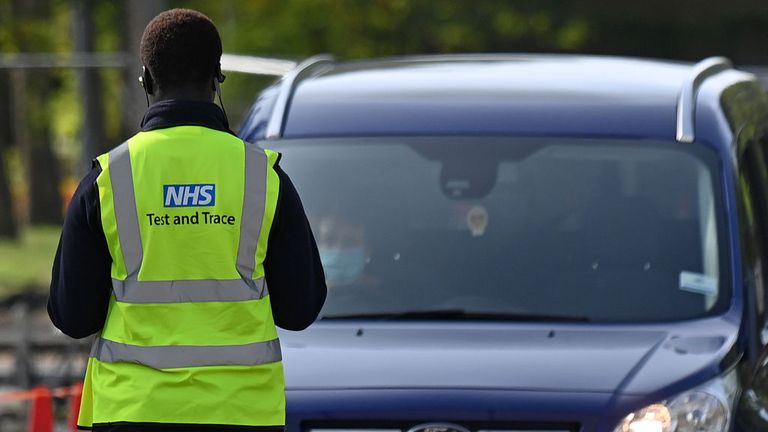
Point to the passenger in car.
(346, 255)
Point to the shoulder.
(271, 157)
(84, 205)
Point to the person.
(355, 269)
(183, 248)
(344, 251)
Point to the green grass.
(26, 263)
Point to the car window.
(607, 230)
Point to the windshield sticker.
(477, 220)
(698, 283)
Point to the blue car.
(528, 243)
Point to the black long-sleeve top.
(81, 282)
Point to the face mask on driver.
(342, 266)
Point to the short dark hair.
(181, 47)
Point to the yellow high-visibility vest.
(189, 336)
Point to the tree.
(138, 13)
(31, 96)
(8, 227)
(89, 86)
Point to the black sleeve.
(293, 270)
(81, 280)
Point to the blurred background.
(69, 91)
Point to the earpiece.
(220, 77)
(145, 80)
(217, 80)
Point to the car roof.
(570, 95)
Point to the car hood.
(627, 359)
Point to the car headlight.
(706, 408)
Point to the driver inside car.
(346, 255)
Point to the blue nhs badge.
(189, 195)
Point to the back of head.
(181, 48)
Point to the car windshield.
(590, 229)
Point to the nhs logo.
(189, 195)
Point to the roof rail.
(686, 103)
(288, 86)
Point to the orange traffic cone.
(75, 395)
(41, 410)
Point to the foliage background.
(42, 121)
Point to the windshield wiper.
(456, 315)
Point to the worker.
(183, 248)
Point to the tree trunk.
(89, 84)
(8, 227)
(45, 204)
(33, 117)
(138, 14)
(42, 175)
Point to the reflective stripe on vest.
(168, 357)
(181, 291)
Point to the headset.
(145, 81)
(217, 80)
